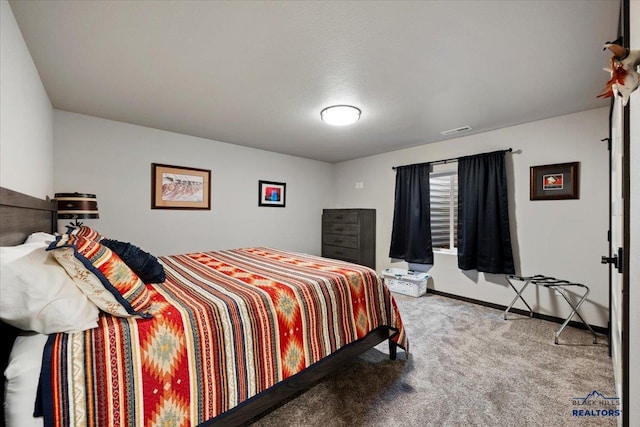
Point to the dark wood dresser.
(350, 235)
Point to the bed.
(226, 336)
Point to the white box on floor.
(406, 282)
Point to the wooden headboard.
(20, 215)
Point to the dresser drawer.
(343, 217)
(341, 228)
(346, 254)
(340, 240)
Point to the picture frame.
(272, 194)
(554, 182)
(179, 187)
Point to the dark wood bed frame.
(21, 215)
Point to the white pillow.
(40, 237)
(37, 294)
(10, 253)
(21, 386)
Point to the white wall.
(26, 116)
(563, 238)
(113, 160)
(634, 250)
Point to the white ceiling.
(257, 73)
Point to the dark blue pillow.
(145, 265)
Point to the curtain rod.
(453, 159)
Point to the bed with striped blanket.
(227, 327)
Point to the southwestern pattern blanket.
(226, 326)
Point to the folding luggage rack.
(560, 286)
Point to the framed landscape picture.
(178, 187)
(554, 182)
(272, 194)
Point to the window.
(444, 210)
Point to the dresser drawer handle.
(338, 240)
(339, 229)
(339, 216)
(339, 253)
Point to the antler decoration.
(624, 74)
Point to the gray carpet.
(467, 367)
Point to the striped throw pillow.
(102, 276)
(84, 231)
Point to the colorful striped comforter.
(226, 326)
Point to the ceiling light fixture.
(340, 115)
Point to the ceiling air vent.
(456, 130)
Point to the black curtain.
(411, 235)
(484, 240)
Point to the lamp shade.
(77, 206)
